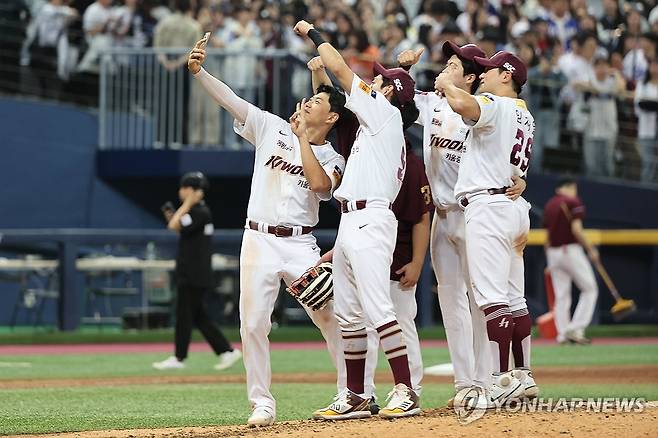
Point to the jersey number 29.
(521, 151)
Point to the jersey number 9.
(521, 153)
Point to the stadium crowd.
(581, 55)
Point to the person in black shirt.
(193, 221)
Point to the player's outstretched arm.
(319, 75)
(331, 59)
(218, 90)
(459, 100)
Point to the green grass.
(30, 335)
(46, 410)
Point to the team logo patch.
(365, 87)
(509, 67)
(338, 174)
(436, 122)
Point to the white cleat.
(170, 363)
(228, 359)
(530, 388)
(505, 387)
(402, 402)
(473, 398)
(261, 417)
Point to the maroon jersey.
(414, 198)
(559, 212)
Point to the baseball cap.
(509, 62)
(196, 180)
(403, 84)
(468, 51)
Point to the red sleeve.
(414, 199)
(577, 208)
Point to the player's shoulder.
(327, 153)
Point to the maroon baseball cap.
(509, 62)
(403, 83)
(468, 52)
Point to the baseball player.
(496, 227)
(444, 135)
(567, 262)
(411, 211)
(295, 168)
(366, 236)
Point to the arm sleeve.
(194, 221)
(488, 110)
(577, 209)
(422, 101)
(223, 95)
(334, 168)
(413, 199)
(371, 108)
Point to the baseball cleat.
(473, 397)
(402, 402)
(346, 405)
(260, 417)
(577, 338)
(530, 388)
(373, 406)
(170, 363)
(505, 387)
(228, 359)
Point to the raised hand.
(298, 121)
(315, 64)
(410, 57)
(302, 27)
(198, 54)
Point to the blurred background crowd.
(593, 82)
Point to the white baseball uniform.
(444, 135)
(280, 195)
(500, 146)
(366, 237)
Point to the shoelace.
(395, 395)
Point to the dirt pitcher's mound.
(432, 423)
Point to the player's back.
(499, 147)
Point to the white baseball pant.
(496, 235)
(264, 261)
(569, 263)
(464, 323)
(404, 303)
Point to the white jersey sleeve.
(334, 167)
(257, 125)
(422, 100)
(488, 112)
(372, 109)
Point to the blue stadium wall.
(52, 176)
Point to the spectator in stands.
(49, 47)
(601, 93)
(646, 109)
(577, 67)
(545, 81)
(610, 24)
(561, 24)
(640, 50)
(239, 71)
(127, 25)
(97, 23)
(360, 55)
(394, 41)
(177, 30)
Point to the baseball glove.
(314, 288)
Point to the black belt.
(279, 230)
(359, 205)
(500, 191)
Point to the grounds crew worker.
(193, 221)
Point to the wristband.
(316, 37)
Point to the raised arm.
(330, 56)
(318, 74)
(459, 100)
(218, 90)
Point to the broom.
(623, 308)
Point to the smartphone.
(206, 38)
